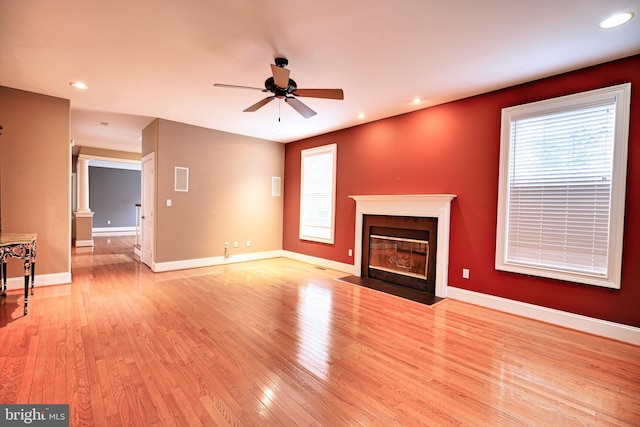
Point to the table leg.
(27, 275)
(33, 275)
(33, 264)
(3, 276)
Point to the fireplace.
(400, 250)
(417, 214)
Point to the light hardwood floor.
(280, 342)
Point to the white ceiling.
(159, 58)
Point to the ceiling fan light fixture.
(616, 20)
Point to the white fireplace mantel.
(418, 205)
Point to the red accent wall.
(454, 148)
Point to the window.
(562, 181)
(317, 193)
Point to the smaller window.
(317, 193)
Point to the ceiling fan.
(282, 87)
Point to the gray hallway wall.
(113, 194)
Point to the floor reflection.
(314, 326)
(267, 398)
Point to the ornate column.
(83, 216)
(83, 185)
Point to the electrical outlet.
(235, 244)
(350, 252)
(168, 202)
(465, 273)
(108, 222)
(248, 243)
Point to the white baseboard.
(326, 263)
(114, 231)
(255, 256)
(208, 262)
(14, 283)
(84, 243)
(616, 331)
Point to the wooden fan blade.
(297, 105)
(280, 76)
(259, 104)
(320, 93)
(239, 87)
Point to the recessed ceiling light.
(616, 20)
(416, 100)
(361, 116)
(79, 85)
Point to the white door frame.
(147, 225)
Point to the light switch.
(168, 202)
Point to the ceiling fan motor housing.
(279, 92)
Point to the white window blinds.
(562, 183)
(559, 189)
(317, 193)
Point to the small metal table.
(22, 246)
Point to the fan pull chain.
(279, 109)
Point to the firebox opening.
(400, 250)
(399, 255)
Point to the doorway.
(147, 219)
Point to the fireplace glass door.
(399, 255)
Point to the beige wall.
(83, 232)
(35, 171)
(229, 197)
(150, 138)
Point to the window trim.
(622, 95)
(309, 152)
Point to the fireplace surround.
(436, 206)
